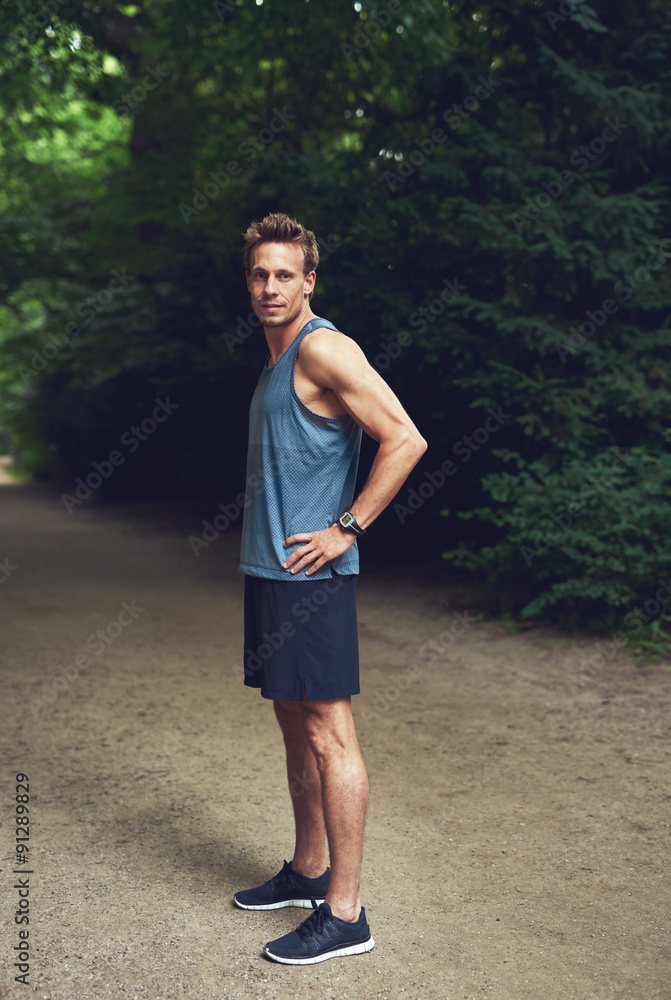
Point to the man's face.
(277, 284)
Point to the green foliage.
(652, 644)
(593, 535)
(136, 141)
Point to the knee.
(326, 742)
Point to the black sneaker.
(287, 888)
(321, 936)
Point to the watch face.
(346, 519)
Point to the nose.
(270, 288)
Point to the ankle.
(348, 912)
(307, 869)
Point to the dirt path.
(517, 838)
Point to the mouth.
(271, 306)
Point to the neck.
(279, 338)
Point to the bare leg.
(305, 789)
(330, 732)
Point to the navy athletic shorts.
(301, 639)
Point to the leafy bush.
(583, 544)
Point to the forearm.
(395, 459)
(392, 465)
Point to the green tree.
(489, 181)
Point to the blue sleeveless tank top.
(301, 472)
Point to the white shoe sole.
(352, 949)
(304, 904)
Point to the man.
(299, 553)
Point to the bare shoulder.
(336, 362)
(324, 347)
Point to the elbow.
(416, 445)
(408, 444)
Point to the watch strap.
(350, 524)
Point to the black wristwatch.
(348, 522)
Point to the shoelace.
(285, 877)
(314, 925)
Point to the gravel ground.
(517, 834)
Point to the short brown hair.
(280, 228)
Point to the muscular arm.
(336, 362)
(339, 363)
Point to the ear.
(309, 283)
(247, 275)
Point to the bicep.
(361, 390)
